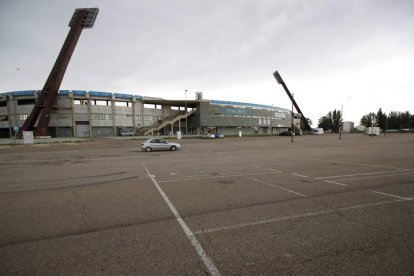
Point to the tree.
(395, 120)
(336, 120)
(405, 119)
(325, 123)
(381, 119)
(369, 119)
(331, 121)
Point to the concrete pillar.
(133, 115)
(9, 117)
(113, 114)
(88, 97)
(72, 106)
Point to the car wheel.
(173, 148)
(148, 149)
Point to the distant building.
(79, 113)
(361, 128)
(348, 127)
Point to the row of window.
(253, 117)
(32, 101)
(137, 117)
(95, 116)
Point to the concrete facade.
(97, 114)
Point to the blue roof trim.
(21, 93)
(64, 92)
(100, 94)
(127, 96)
(78, 92)
(247, 105)
(123, 96)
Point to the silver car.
(159, 144)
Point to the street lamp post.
(292, 125)
(341, 123)
(185, 101)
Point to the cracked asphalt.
(254, 205)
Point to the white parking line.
(216, 176)
(212, 269)
(349, 163)
(311, 214)
(300, 175)
(376, 176)
(277, 186)
(358, 174)
(336, 183)
(402, 198)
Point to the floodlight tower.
(81, 19)
(280, 81)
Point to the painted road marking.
(215, 176)
(359, 174)
(311, 214)
(376, 176)
(300, 175)
(277, 186)
(402, 198)
(349, 163)
(336, 183)
(212, 269)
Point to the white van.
(318, 131)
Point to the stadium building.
(79, 113)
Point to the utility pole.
(340, 122)
(186, 125)
(291, 126)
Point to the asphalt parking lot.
(233, 206)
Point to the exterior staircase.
(168, 121)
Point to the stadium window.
(121, 104)
(102, 117)
(3, 103)
(26, 101)
(149, 106)
(148, 118)
(80, 102)
(97, 102)
(23, 117)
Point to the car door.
(155, 144)
(163, 144)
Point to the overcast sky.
(359, 54)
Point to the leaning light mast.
(280, 81)
(81, 19)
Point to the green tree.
(336, 120)
(405, 119)
(325, 123)
(369, 119)
(394, 120)
(331, 121)
(381, 119)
